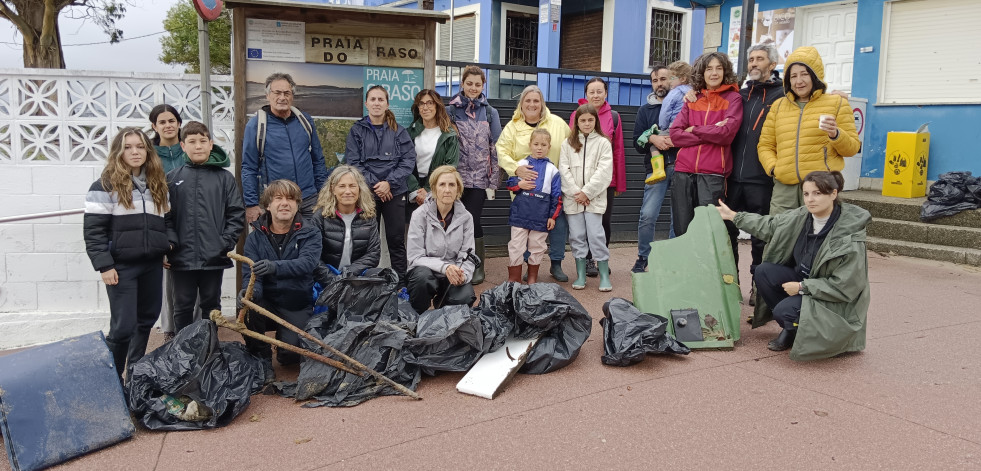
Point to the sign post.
(208, 10)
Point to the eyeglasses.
(283, 93)
(427, 104)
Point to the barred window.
(665, 36)
(521, 43)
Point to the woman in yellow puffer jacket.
(794, 141)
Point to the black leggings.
(393, 211)
(473, 199)
(769, 278)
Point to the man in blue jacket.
(283, 145)
(650, 208)
(286, 251)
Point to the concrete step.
(906, 209)
(926, 233)
(928, 251)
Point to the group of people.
(767, 154)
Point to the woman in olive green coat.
(435, 138)
(816, 270)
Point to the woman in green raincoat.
(814, 277)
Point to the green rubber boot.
(478, 273)
(604, 275)
(580, 282)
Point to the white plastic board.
(493, 370)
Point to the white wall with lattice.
(55, 130)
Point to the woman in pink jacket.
(703, 132)
(609, 121)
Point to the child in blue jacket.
(535, 206)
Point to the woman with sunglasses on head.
(435, 138)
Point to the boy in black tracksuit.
(749, 187)
(286, 251)
(205, 221)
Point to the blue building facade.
(954, 136)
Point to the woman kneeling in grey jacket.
(439, 240)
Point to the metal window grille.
(665, 37)
(521, 43)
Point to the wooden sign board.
(362, 50)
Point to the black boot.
(118, 350)
(783, 341)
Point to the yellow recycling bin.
(907, 154)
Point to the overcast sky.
(131, 55)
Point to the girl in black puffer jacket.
(126, 239)
(345, 216)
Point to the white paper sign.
(274, 40)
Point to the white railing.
(64, 117)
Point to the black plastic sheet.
(952, 193)
(220, 375)
(368, 298)
(377, 345)
(547, 311)
(629, 335)
(447, 339)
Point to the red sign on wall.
(208, 9)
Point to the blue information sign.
(402, 86)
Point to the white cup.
(824, 122)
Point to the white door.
(831, 30)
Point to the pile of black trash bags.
(368, 321)
(952, 193)
(196, 382)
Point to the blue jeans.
(557, 238)
(650, 209)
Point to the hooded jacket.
(707, 148)
(588, 171)
(791, 144)
(114, 233)
(757, 99)
(834, 308)
(365, 241)
(428, 245)
(291, 287)
(171, 156)
(206, 215)
(479, 126)
(289, 153)
(447, 153)
(614, 130)
(531, 209)
(514, 142)
(381, 154)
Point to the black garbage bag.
(629, 335)
(194, 381)
(377, 345)
(370, 297)
(952, 193)
(450, 338)
(496, 310)
(547, 311)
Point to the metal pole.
(204, 59)
(745, 37)
(452, 16)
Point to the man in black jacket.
(650, 208)
(749, 187)
(206, 218)
(286, 251)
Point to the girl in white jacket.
(586, 167)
